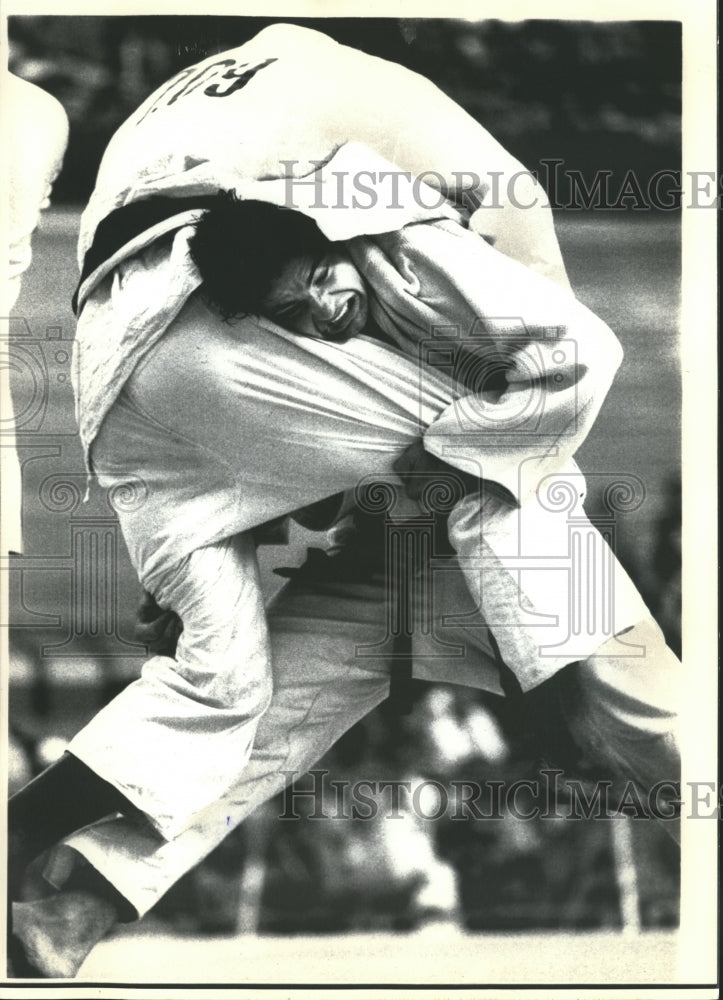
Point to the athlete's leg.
(196, 716)
(544, 578)
(622, 711)
(320, 689)
(192, 718)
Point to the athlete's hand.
(417, 468)
(158, 629)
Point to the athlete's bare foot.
(52, 937)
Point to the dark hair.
(240, 247)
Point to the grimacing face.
(323, 297)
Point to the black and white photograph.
(357, 577)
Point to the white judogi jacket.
(258, 120)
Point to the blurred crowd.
(325, 875)
(286, 870)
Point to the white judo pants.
(620, 711)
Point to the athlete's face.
(322, 297)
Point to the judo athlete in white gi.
(34, 137)
(205, 430)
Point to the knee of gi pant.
(239, 687)
(632, 682)
(223, 657)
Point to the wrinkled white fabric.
(541, 573)
(221, 427)
(438, 287)
(34, 137)
(35, 134)
(282, 103)
(303, 99)
(172, 741)
(129, 302)
(259, 427)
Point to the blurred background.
(599, 96)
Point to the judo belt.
(359, 561)
(129, 222)
(323, 570)
(406, 583)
